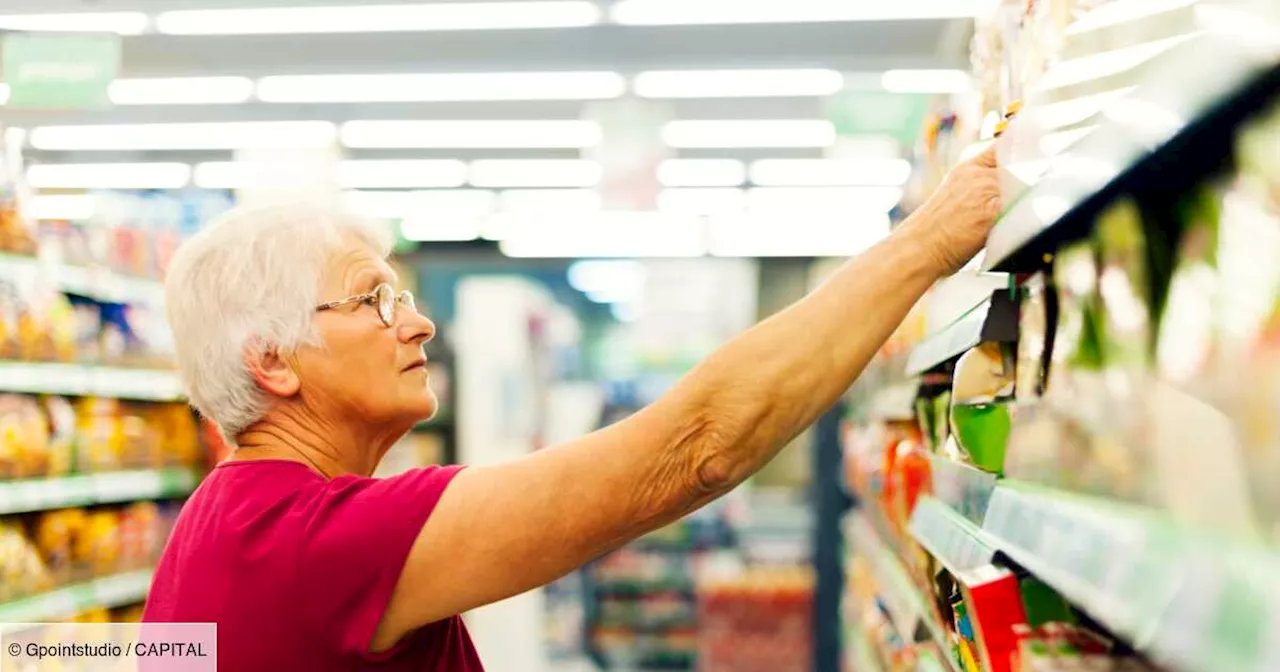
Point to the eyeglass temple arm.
(349, 300)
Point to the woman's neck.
(329, 448)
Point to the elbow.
(714, 452)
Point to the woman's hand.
(954, 223)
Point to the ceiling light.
(535, 173)
(686, 12)
(442, 87)
(63, 207)
(120, 23)
(744, 133)
(401, 174)
(262, 175)
(181, 91)
(471, 134)
(702, 201)
(109, 176)
(451, 203)
(737, 83)
(436, 16)
(830, 172)
(854, 201)
(926, 81)
(783, 236)
(607, 235)
(209, 136)
(429, 227)
(549, 200)
(702, 173)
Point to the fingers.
(987, 159)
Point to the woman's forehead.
(357, 263)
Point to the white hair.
(251, 279)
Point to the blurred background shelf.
(94, 283)
(107, 592)
(88, 380)
(25, 496)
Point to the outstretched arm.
(501, 530)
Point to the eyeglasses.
(383, 297)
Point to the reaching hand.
(954, 223)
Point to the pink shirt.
(297, 570)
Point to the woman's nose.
(415, 327)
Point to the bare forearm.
(764, 387)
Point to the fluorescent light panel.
(535, 173)
(262, 175)
(749, 133)
(554, 134)
(608, 235)
(448, 203)
(737, 83)
(442, 87)
(830, 172)
(181, 91)
(401, 174)
(550, 200)
(427, 227)
(780, 236)
(109, 176)
(206, 136)
(70, 207)
(702, 173)
(437, 16)
(853, 201)
(689, 12)
(121, 23)
(926, 81)
(702, 201)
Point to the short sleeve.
(356, 539)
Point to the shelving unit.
(1194, 600)
(94, 283)
(26, 496)
(87, 380)
(107, 592)
(1188, 589)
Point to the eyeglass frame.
(404, 298)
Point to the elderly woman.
(292, 337)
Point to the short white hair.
(251, 278)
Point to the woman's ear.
(271, 370)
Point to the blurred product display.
(1077, 472)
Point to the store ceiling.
(852, 47)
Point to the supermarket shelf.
(995, 319)
(1162, 139)
(1191, 601)
(109, 592)
(909, 609)
(964, 489)
(83, 380)
(950, 537)
(95, 283)
(126, 486)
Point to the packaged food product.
(21, 571)
(101, 433)
(17, 233)
(980, 394)
(1033, 339)
(98, 548)
(139, 535)
(56, 533)
(24, 438)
